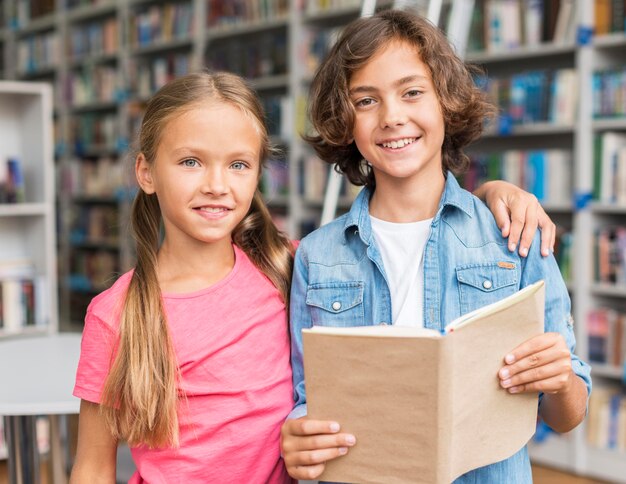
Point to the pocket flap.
(488, 277)
(335, 297)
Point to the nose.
(215, 181)
(392, 114)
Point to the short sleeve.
(96, 351)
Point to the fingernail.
(343, 450)
(512, 247)
(504, 373)
(350, 439)
(509, 359)
(334, 427)
(545, 252)
(523, 251)
(506, 383)
(514, 390)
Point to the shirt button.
(487, 284)
(336, 305)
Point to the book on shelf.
(609, 255)
(610, 167)
(406, 393)
(606, 336)
(22, 296)
(544, 173)
(606, 420)
(12, 187)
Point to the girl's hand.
(541, 364)
(518, 214)
(307, 445)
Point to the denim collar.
(358, 218)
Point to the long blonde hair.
(140, 395)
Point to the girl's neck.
(406, 202)
(183, 271)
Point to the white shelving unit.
(28, 228)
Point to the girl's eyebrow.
(398, 83)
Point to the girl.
(394, 107)
(187, 356)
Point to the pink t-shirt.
(232, 345)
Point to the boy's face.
(399, 127)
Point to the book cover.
(424, 406)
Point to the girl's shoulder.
(107, 305)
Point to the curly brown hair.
(464, 106)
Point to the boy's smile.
(399, 127)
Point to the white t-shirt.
(402, 249)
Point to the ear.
(143, 173)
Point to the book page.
(489, 423)
(386, 330)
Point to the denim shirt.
(339, 280)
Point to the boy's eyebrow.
(398, 83)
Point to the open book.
(424, 406)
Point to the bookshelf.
(104, 58)
(28, 264)
(596, 60)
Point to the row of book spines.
(95, 84)
(318, 6)
(96, 224)
(255, 57)
(228, 12)
(609, 16)
(12, 185)
(93, 270)
(95, 130)
(501, 25)
(609, 164)
(22, 303)
(314, 179)
(535, 96)
(606, 421)
(609, 93)
(544, 173)
(609, 244)
(95, 38)
(149, 75)
(162, 23)
(38, 52)
(25, 11)
(606, 333)
(92, 178)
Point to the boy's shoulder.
(476, 224)
(326, 233)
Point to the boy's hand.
(518, 214)
(541, 364)
(307, 445)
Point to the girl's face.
(399, 127)
(205, 173)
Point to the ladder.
(458, 28)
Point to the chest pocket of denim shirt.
(482, 284)
(336, 303)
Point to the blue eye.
(189, 162)
(238, 165)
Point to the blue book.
(16, 192)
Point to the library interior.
(75, 78)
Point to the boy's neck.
(405, 203)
